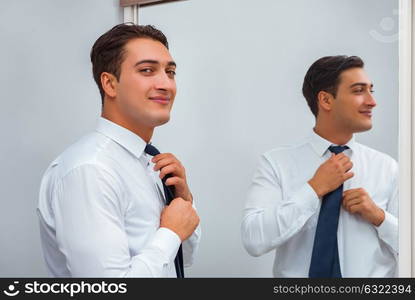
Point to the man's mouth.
(160, 99)
(367, 113)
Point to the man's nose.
(370, 100)
(164, 82)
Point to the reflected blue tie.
(169, 194)
(325, 257)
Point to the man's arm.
(269, 220)
(358, 201)
(388, 230)
(89, 215)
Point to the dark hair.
(324, 75)
(107, 53)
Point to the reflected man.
(327, 205)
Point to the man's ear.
(109, 83)
(325, 101)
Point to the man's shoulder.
(376, 156)
(91, 150)
(85, 161)
(285, 151)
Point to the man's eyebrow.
(152, 61)
(361, 84)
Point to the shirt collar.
(321, 145)
(122, 136)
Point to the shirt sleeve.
(191, 245)
(388, 230)
(90, 230)
(269, 218)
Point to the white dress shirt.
(99, 210)
(282, 210)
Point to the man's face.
(146, 87)
(352, 107)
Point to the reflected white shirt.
(282, 210)
(99, 210)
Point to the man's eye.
(358, 91)
(171, 72)
(146, 70)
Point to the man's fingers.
(332, 157)
(340, 156)
(174, 181)
(160, 156)
(174, 169)
(351, 195)
(164, 162)
(353, 191)
(348, 175)
(350, 191)
(356, 208)
(343, 161)
(351, 200)
(170, 169)
(348, 166)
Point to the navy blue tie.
(325, 257)
(169, 194)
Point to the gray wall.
(48, 100)
(240, 70)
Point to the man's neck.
(333, 135)
(145, 133)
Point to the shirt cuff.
(309, 198)
(388, 230)
(167, 241)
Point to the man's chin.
(363, 127)
(160, 120)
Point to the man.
(102, 209)
(327, 205)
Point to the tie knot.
(338, 149)
(151, 150)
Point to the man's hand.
(167, 163)
(331, 174)
(358, 201)
(180, 217)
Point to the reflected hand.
(358, 201)
(331, 174)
